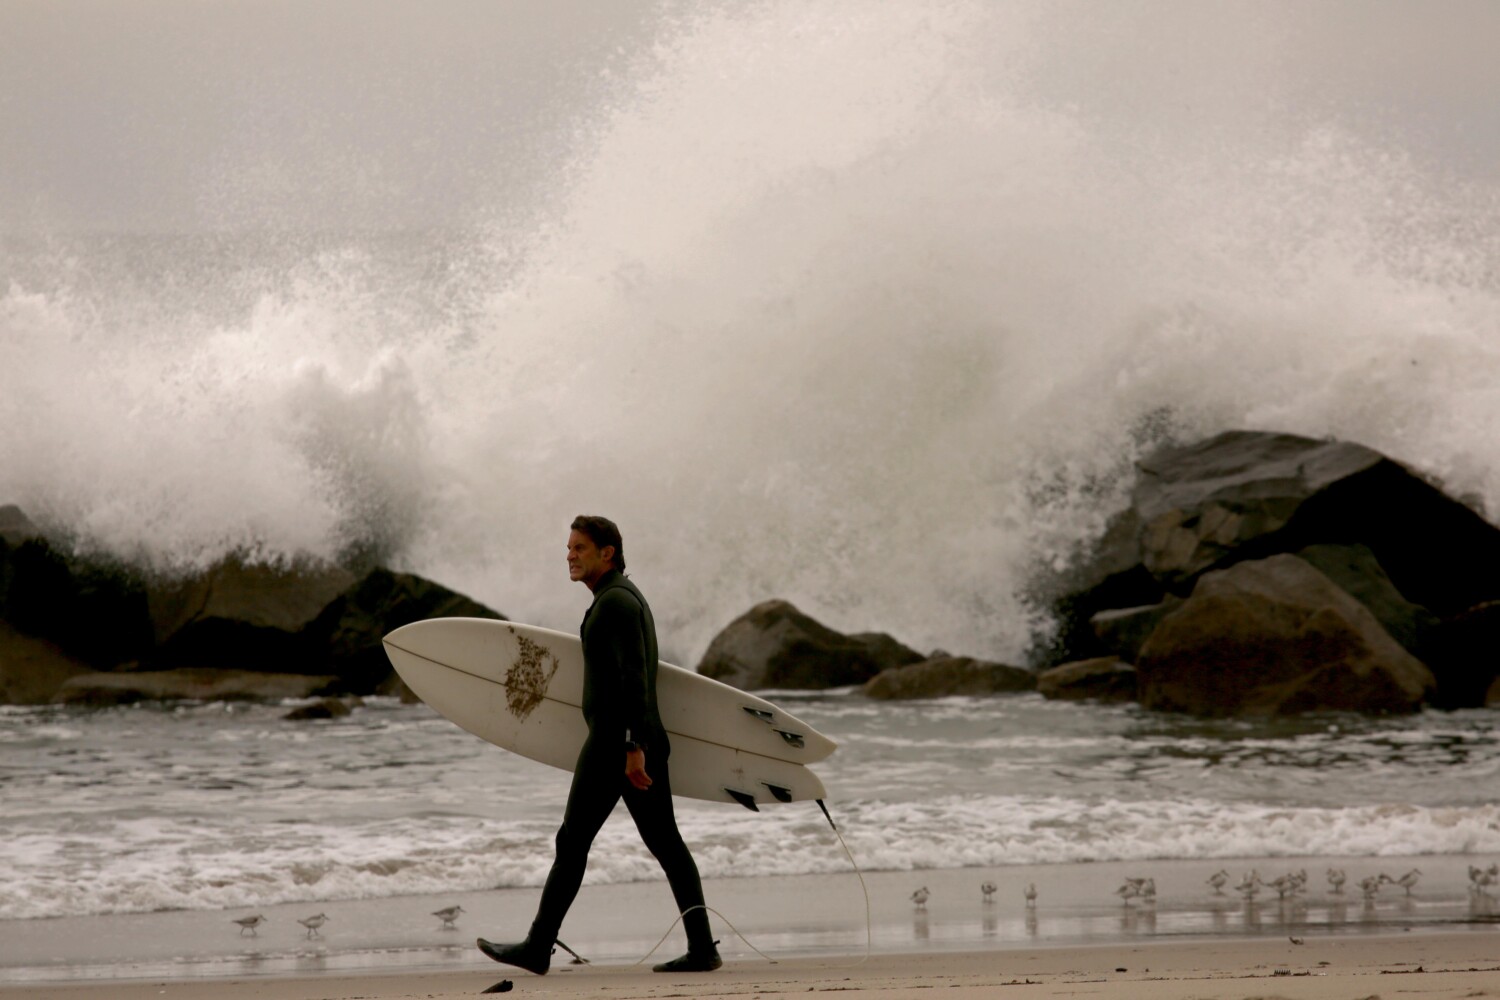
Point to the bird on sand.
(988, 888)
(920, 897)
(1337, 878)
(1217, 880)
(1405, 881)
(249, 923)
(313, 922)
(447, 915)
(1250, 884)
(1031, 894)
(1370, 885)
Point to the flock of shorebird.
(1143, 889)
(1250, 885)
(447, 915)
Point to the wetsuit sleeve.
(621, 635)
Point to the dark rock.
(1247, 494)
(93, 610)
(1492, 696)
(243, 616)
(323, 708)
(345, 637)
(1124, 630)
(189, 685)
(773, 645)
(32, 670)
(1464, 654)
(1275, 636)
(1106, 678)
(1356, 570)
(952, 675)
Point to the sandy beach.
(1436, 965)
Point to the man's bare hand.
(635, 769)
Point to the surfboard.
(521, 687)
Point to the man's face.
(586, 561)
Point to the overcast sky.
(188, 114)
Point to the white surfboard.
(521, 687)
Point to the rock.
(345, 637)
(1492, 696)
(1105, 678)
(1464, 654)
(1356, 570)
(243, 616)
(93, 610)
(1247, 494)
(1273, 637)
(951, 675)
(1123, 631)
(32, 670)
(773, 645)
(323, 708)
(189, 685)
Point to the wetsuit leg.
(654, 818)
(598, 780)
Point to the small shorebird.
(920, 897)
(1030, 894)
(1288, 885)
(1148, 890)
(1480, 879)
(1132, 888)
(249, 923)
(447, 915)
(988, 888)
(1405, 881)
(1217, 880)
(1337, 878)
(1370, 884)
(313, 922)
(1249, 885)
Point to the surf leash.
(869, 933)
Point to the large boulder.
(92, 609)
(1122, 631)
(944, 676)
(124, 688)
(1275, 636)
(1359, 574)
(32, 670)
(1464, 654)
(243, 616)
(1247, 494)
(345, 637)
(1105, 678)
(774, 645)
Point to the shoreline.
(1442, 965)
(802, 918)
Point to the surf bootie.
(524, 955)
(694, 961)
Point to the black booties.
(693, 961)
(525, 955)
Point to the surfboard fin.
(792, 739)
(779, 793)
(743, 798)
(763, 716)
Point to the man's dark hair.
(602, 531)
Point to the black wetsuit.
(619, 703)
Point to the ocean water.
(219, 807)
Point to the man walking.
(625, 736)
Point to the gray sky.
(189, 114)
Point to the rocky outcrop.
(32, 670)
(1245, 495)
(774, 645)
(345, 637)
(1123, 631)
(1275, 636)
(243, 616)
(1464, 654)
(942, 677)
(101, 689)
(1106, 679)
(64, 614)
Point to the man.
(625, 736)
